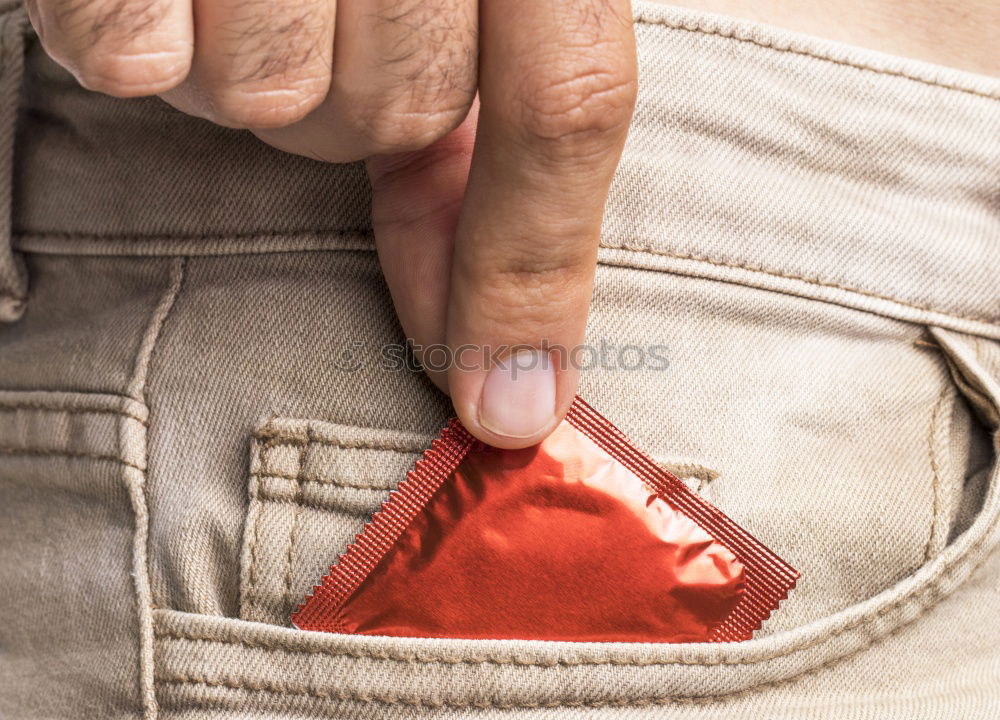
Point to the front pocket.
(313, 484)
(312, 487)
(74, 607)
(227, 663)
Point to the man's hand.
(488, 239)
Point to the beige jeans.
(197, 412)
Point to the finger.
(125, 48)
(416, 198)
(258, 63)
(404, 76)
(557, 87)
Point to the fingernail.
(519, 395)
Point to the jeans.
(796, 310)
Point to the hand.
(488, 240)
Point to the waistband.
(756, 155)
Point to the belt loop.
(13, 274)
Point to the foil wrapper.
(579, 538)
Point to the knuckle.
(426, 79)
(264, 107)
(123, 48)
(527, 301)
(279, 68)
(133, 74)
(577, 103)
(527, 285)
(403, 128)
(276, 44)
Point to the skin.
(490, 131)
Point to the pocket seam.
(784, 652)
(932, 585)
(50, 452)
(936, 482)
(251, 592)
(257, 686)
(993, 321)
(68, 410)
(879, 617)
(293, 533)
(268, 440)
(324, 481)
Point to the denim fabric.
(196, 412)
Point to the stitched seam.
(303, 478)
(142, 570)
(273, 441)
(302, 690)
(321, 233)
(652, 700)
(935, 471)
(252, 579)
(11, 407)
(150, 339)
(293, 536)
(992, 320)
(49, 452)
(802, 278)
(314, 505)
(807, 53)
(784, 652)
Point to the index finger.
(557, 85)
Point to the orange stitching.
(71, 411)
(802, 278)
(817, 56)
(44, 452)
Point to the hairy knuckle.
(427, 77)
(92, 23)
(276, 45)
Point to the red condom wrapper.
(582, 537)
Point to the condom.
(580, 538)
